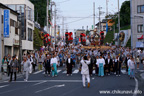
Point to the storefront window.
(29, 34)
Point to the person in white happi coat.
(31, 61)
(25, 67)
(85, 70)
(100, 63)
(54, 64)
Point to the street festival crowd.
(104, 61)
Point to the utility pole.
(99, 18)
(63, 27)
(118, 23)
(106, 7)
(51, 19)
(0, 42)
(55, 24)
(114, 31)
(47, 9)
(37, 17)
(93, 16)
(20, 34)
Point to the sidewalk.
(6, 77)
(19, 75)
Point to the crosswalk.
(76, 71)
(64, 71)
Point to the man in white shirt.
(100, 63)
(30, 60)
(26, 68)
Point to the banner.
(6, 20)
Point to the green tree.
(125, 13)
(37, 40)
(40, 8)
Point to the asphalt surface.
(39, 85)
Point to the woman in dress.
(5, 64)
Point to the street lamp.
(141, 16)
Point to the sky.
(73, 12)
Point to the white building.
(27, 20)
(137, 8)
(10, 45)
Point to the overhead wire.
(76, 20)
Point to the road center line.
(56, 86)
(39, 83)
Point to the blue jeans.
(101, 70)
(132, 73)
(129, 71)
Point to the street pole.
(131, 6)
(63, 27)
(48, 17)
(118, 23)
(114, 31)
(37, 17)
(99, 18)
(93, 16)
(55, 25)
(51, 17)
(20, 38)
(106, 7)
(0, 42)
(143, 31)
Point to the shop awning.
(139, 45)
(141, 37)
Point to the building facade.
(27, 9)
(103, 25)
(79, 31)
(10, 45)
(137, 8)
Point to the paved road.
(39, 85)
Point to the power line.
(76, 20)
(79, 17)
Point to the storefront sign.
(6, 23)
